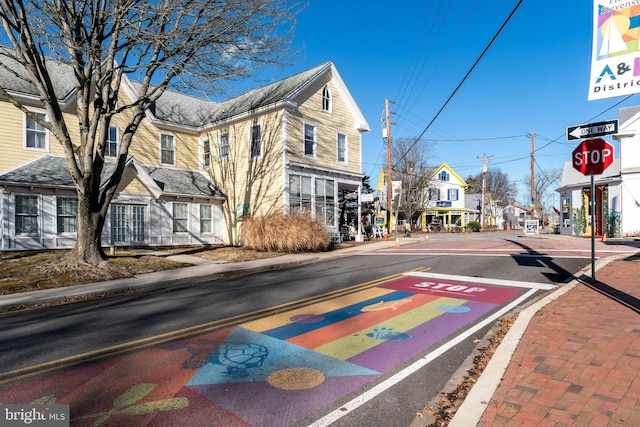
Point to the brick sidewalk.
(578, 362)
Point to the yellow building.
(196, 167)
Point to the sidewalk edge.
(474, 405)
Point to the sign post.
(592, 157)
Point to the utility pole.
(533, 191)
(484, 186)
(514, 217)
(389, 186)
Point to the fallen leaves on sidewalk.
(449, 402)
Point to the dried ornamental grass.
(293, 233)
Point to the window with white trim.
(256, 141)
(342, 148)
(36, 135)
(167, 149)
(299, 193)
(223, 146)
(67, 210)
(206, 153)
(206, 219)
(433, 194)
(326, 99)
(452, 194)
(325, 201)
(27, 215)
(443, 176)
(180, 217)
(309, 140)
(111, 147)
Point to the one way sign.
(592, 130)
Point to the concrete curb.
(146, 281)
(212, 269)
(474, 405)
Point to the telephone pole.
(533, 191)
(389, 186)
(484, 186)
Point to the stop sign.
(593, 156)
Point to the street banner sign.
(615, 58)
(592, 130)
(592, 156)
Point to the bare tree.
(200, 45)
(545, 182)
(496, 184)
(410, 157)
(247, 189)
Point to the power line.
(486, 49)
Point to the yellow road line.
(130, 346)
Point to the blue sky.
(534, 78)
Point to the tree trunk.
(89, 225)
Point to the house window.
(167, 149)
(443, 176)
(67, 209)
(452, 194)
(299, 193)
(223, 146)
(326, 99)
(256, 141)
(433, 194)
(206, 154)
(206, 220)
(325, 201)
(342, 148)
(36, 134)
(180, 217)
(111, 148)
(309, 140)
(26, 215)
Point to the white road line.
(623, 251)
(400, 252)
(532, 251)
(499, 282)
(393, 380)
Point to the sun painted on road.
(277, 370)
(296, 378)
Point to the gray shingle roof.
(275, 92)
(172, 107)
(62, 76)
(53, 171)
(46, 171)
(183, 182)
(183, 109)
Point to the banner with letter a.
(615, 57)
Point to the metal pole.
(359, 237)
(593, 228)
(533, 191)
(389, 188)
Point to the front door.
(128, 225)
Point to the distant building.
(617, 190)
(515, 216)
(493, 210)
(444, 201)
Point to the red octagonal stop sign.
(593, 156)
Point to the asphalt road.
(86, 336)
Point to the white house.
(617, 190)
